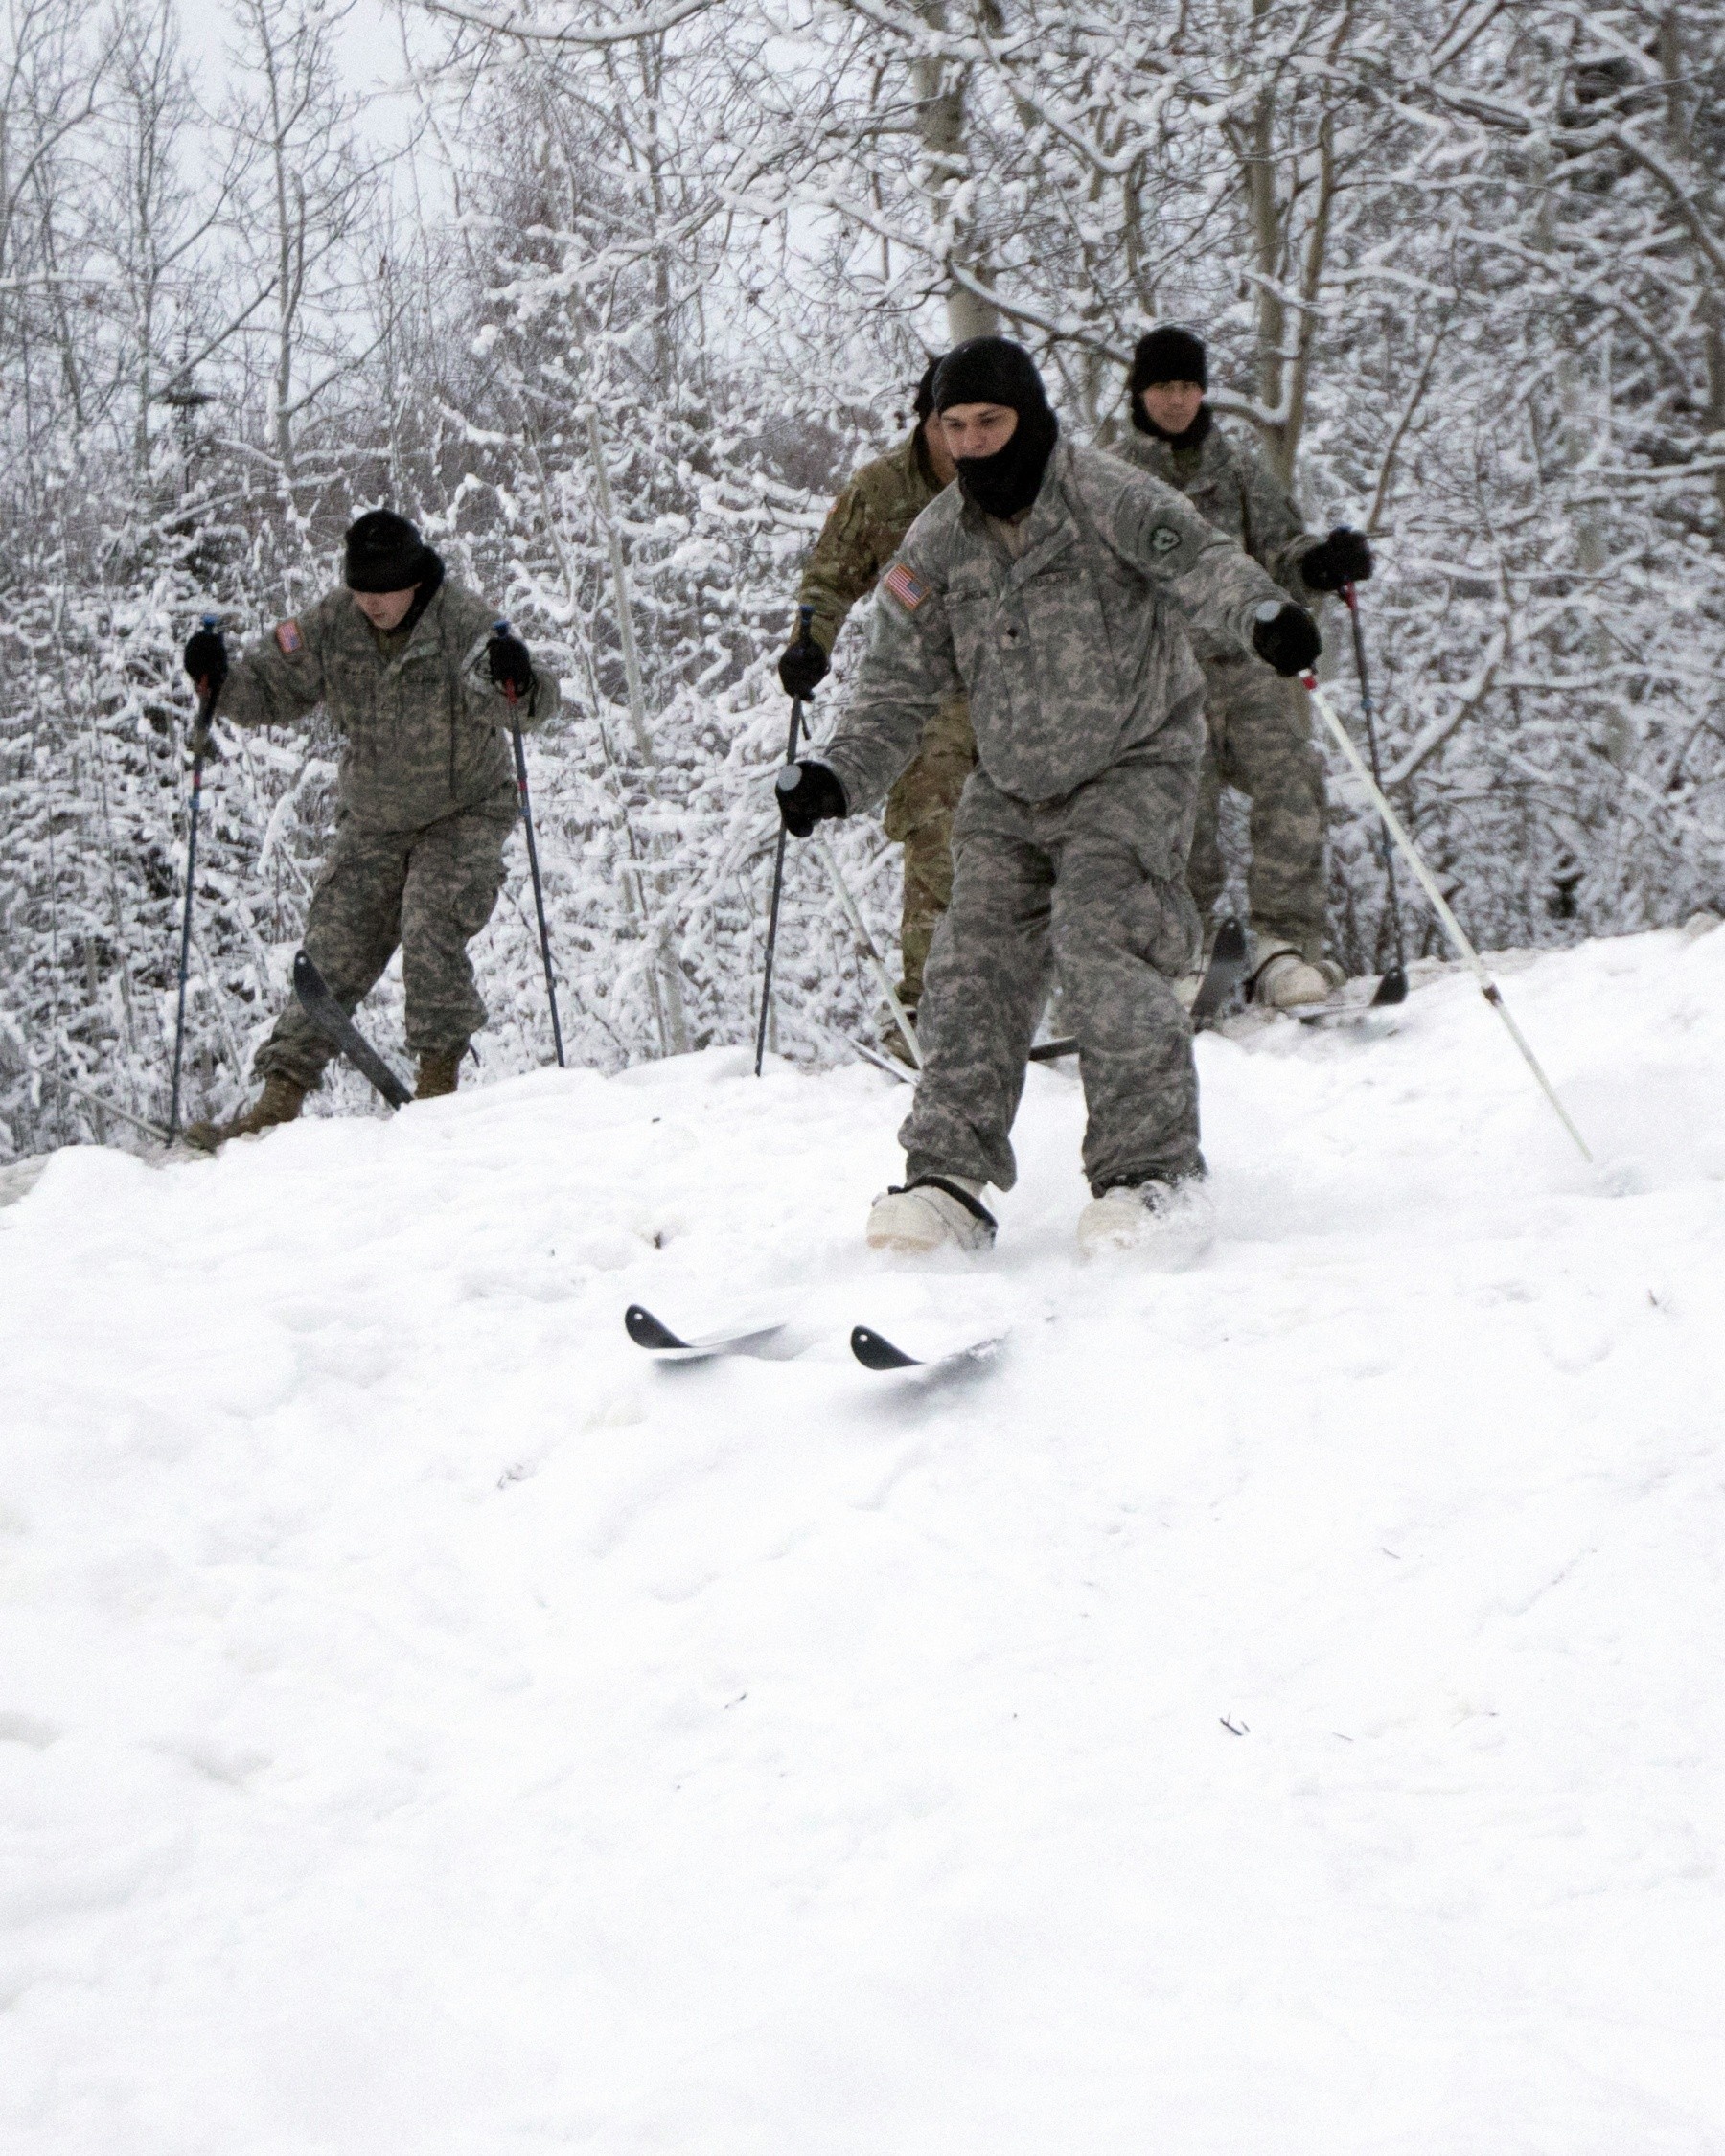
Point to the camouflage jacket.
(421, 723)
(1231, 489)
(863, 530)
(1076, 654)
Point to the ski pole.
(804, 616)
(199, 742)
(96, 1100)
(1457, 935)
(1393, 987)
(512, 696)
(866, 948)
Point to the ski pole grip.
(500, 628)
(204, 703)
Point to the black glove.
(1285, 637)
(206, 661)
(1344, 557)
(511, 668)
(808, 794)
(802, 668)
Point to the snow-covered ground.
(1274, 1709)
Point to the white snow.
(1272, 1709)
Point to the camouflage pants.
(1260, 741)
(427, 891)
(1089, 887)
(919, 814)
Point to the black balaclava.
(1168, 354)
(385, 552)
(995, 371)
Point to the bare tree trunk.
(667, 973)
(939, 87)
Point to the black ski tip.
(876, 1353)
(1230, 944)
(646, 1331)
(1392, 989)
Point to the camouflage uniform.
(425, 798)
(862, 534)
(1259, 726)
(1072, 839)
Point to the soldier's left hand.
(511, 666)
(1286, 637)
(1342, 559)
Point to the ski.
(876, 1352)
(334, 1024)
(881, 1061)
(1328, 1014)
(1216, 996)
(1223, 978)
(658, 1338)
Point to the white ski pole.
(1488, 988)
(865, 947)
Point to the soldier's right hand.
(1286, 637)
(808, 794)
(207, 663)
(803, 666)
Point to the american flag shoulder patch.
(289, 638)
(905, 587)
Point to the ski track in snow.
(427, 1726)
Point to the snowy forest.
(636, 288)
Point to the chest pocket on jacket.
(970, 609)
(1070, 634)
(1217, 501)
(351, 685)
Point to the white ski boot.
(933, 1213)
(1166, 1225)
(1285, 981)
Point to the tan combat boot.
(437, 1076)
(280, 1102)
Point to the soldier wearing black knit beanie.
(1259, 729)
(423, 681)
(863, 530)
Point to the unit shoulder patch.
(287, 636)
(905, 587)
(1164, 540)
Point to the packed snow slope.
(1274, 1709)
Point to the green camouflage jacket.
(421, 723)
(863, 530)
(1230, 489)
(1076, 654)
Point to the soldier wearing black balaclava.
(1054, 584)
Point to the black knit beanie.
(924, 406)
(1168, 354)
(995, 371)
(385, 552)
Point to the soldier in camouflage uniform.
(1052, 583)
(863, 530)
(414, 672)
(1259, 728)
